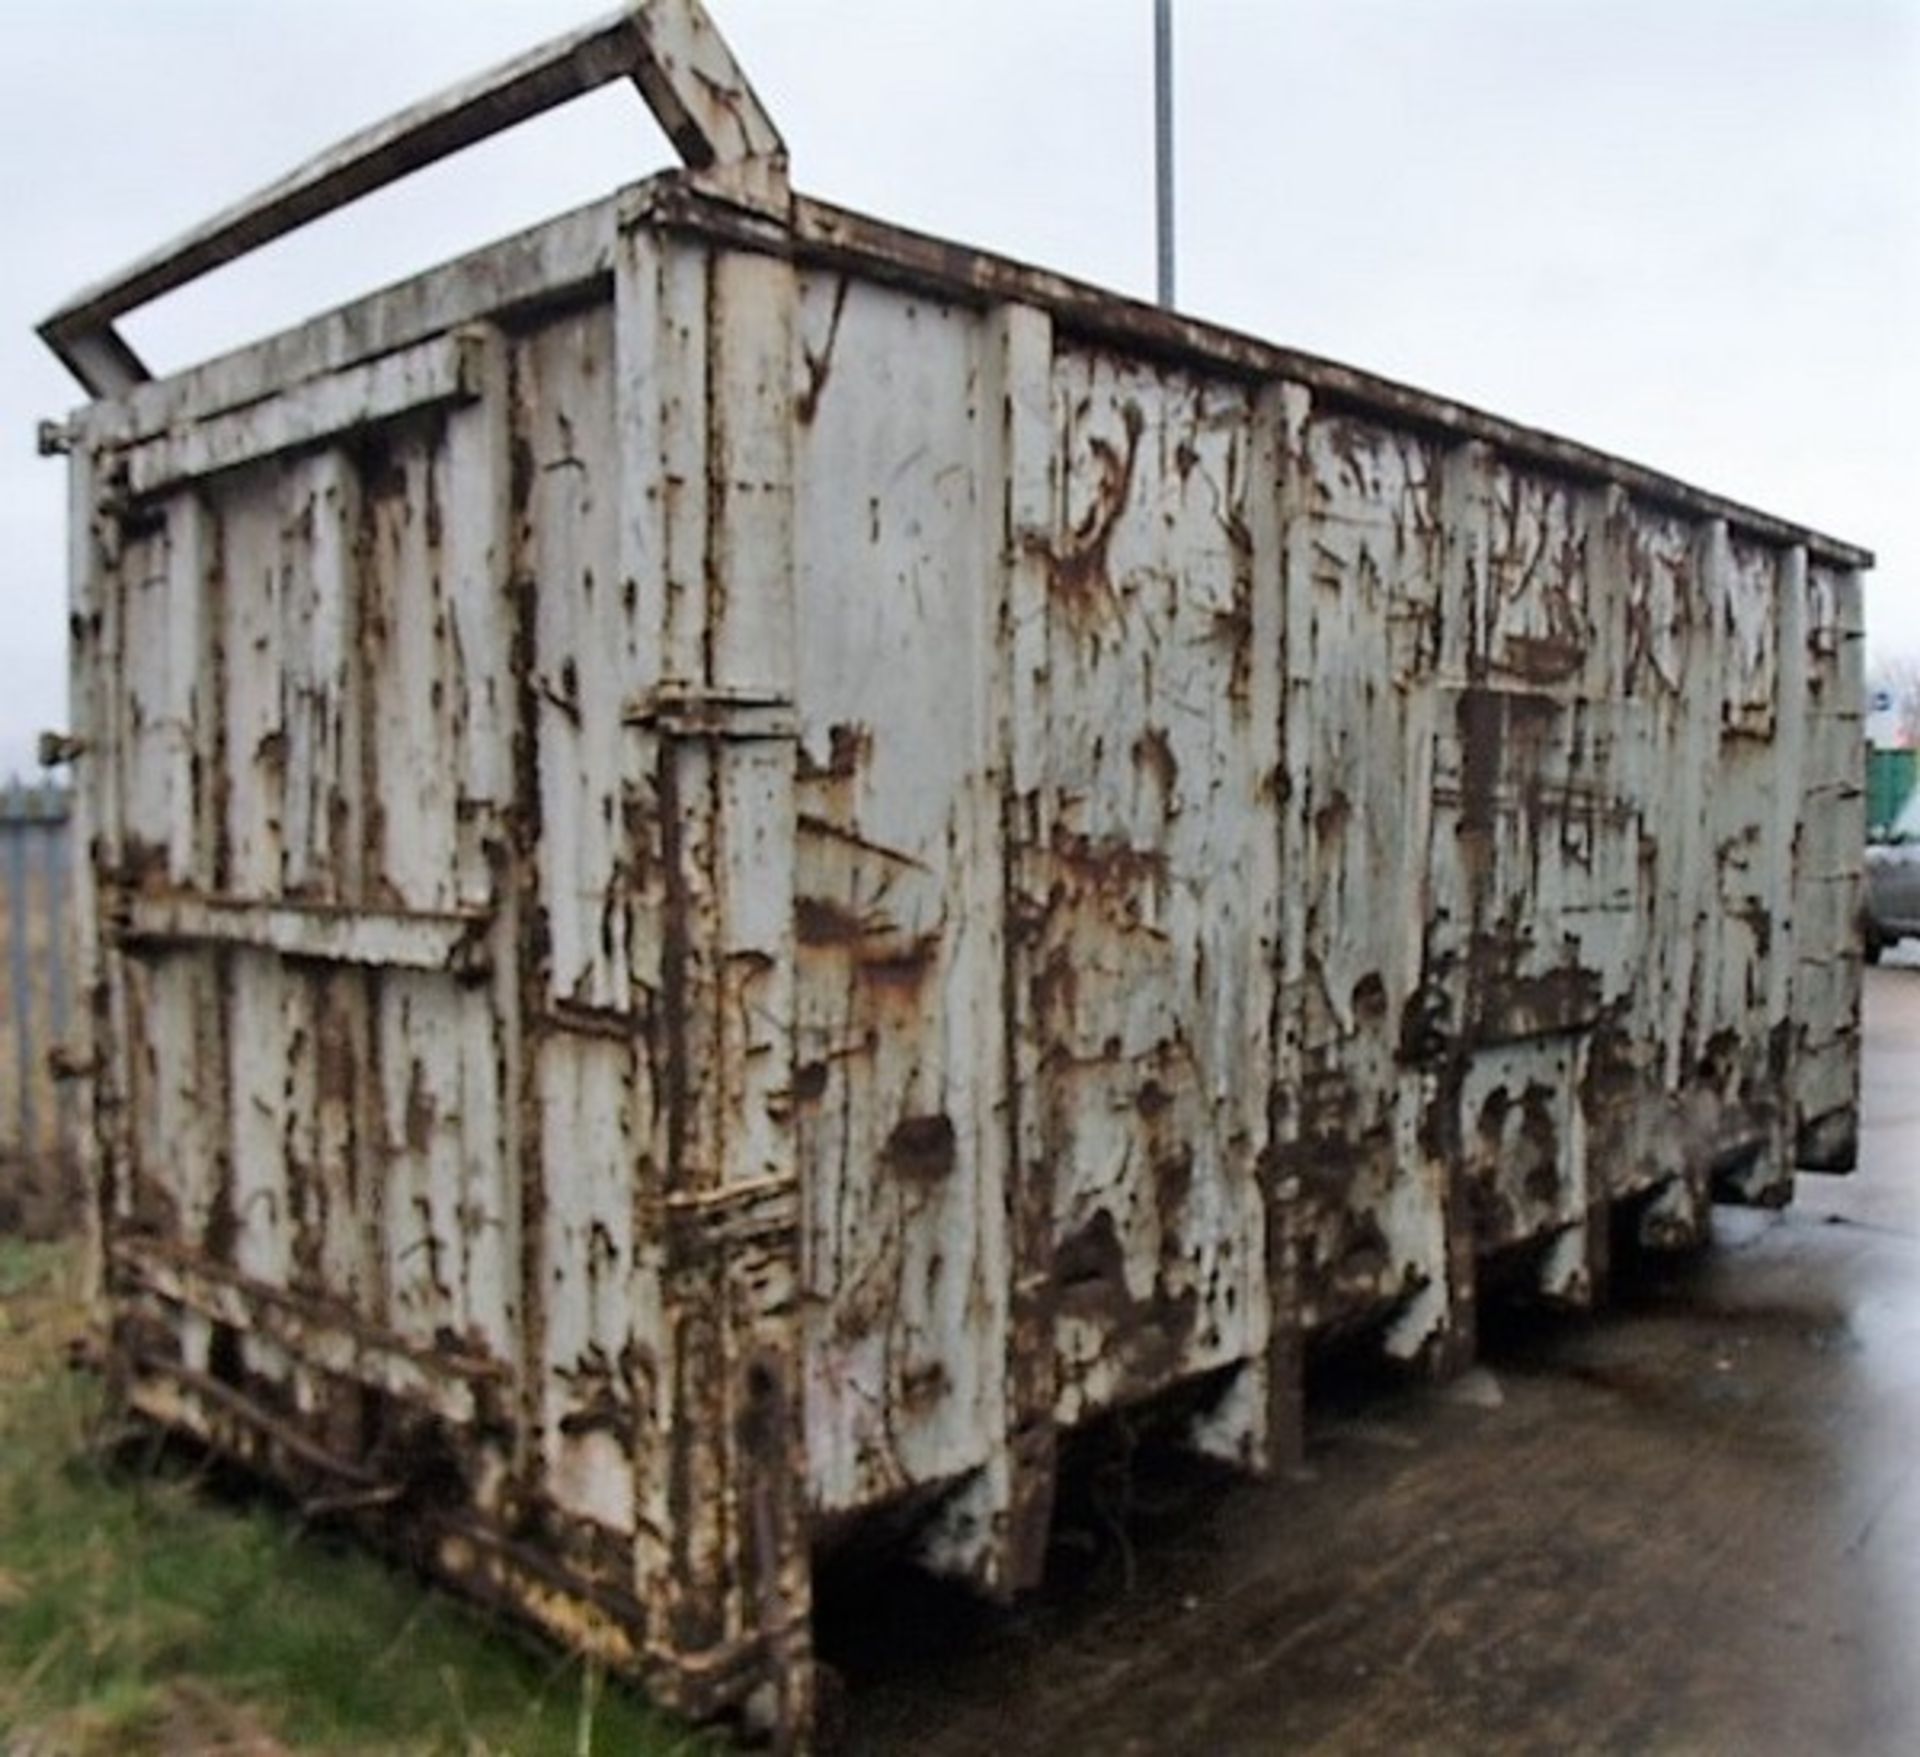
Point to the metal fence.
(37, 1157)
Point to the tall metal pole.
(1163, 143)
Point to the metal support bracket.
(317, 933)
(730, 716)
(56, 749)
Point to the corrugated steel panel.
(744, 864)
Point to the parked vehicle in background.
(1893, 882)
(1891, 773)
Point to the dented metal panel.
(743, 865)
(898, 916)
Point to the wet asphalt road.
(1690, 1525)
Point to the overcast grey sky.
(1683, 230)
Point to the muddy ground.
(1690, 1525)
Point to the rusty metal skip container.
(742, 864)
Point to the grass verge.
(138, 1614)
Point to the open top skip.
(742, 863)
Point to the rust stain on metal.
(1153, 756)
(848, 748)
(820, 365)
(821, 921)
(1078, 568)
(921, 1149)
(1107, 867)
(1147, 1334)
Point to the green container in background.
(1890, 779)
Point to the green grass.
(24, 1266)
(138, 1613)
